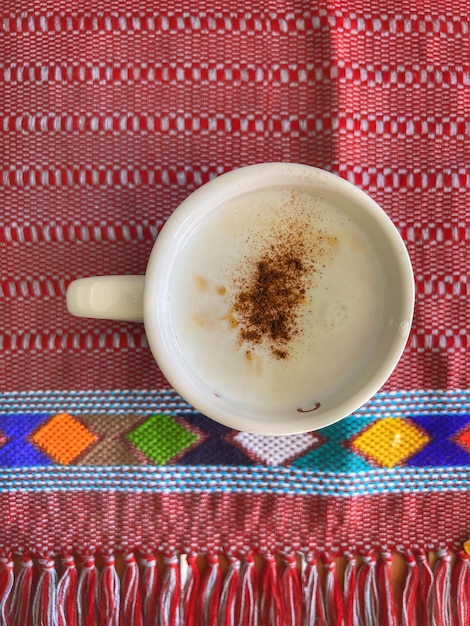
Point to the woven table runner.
(119, 503)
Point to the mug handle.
(118, 298)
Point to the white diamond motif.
(273, 450)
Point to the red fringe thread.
(224, 590)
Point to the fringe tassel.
(273, 591)
(387, 614)
(245, 605)
(313, 604)
(87, 592)
(442, 591)
(291, 593)
(270, 602)
(460, 584)
(351, 617)
(333, 595)
(410, 592)
(109, 593)
(67, 594)
(131, 600)
(170, 593)
(6, 585)
(367, 592)
(22, 593)
(150, 590)
(191, 591)
(228, 596)
(210, 591)
(45, 598)
(425, 589)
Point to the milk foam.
(339, 319)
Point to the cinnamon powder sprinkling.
(269, 297)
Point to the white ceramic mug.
(278, 298)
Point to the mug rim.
(165, 245)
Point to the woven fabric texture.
(111, 113)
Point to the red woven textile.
(111, 113)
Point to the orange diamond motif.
(390, 441)
(63, 438)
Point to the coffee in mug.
(278, 298)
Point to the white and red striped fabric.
(112, 112)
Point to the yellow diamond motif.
(390, 441)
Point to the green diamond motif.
(161, 438)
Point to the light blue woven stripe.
(255, 480)
(148, 402)
(96, 402)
